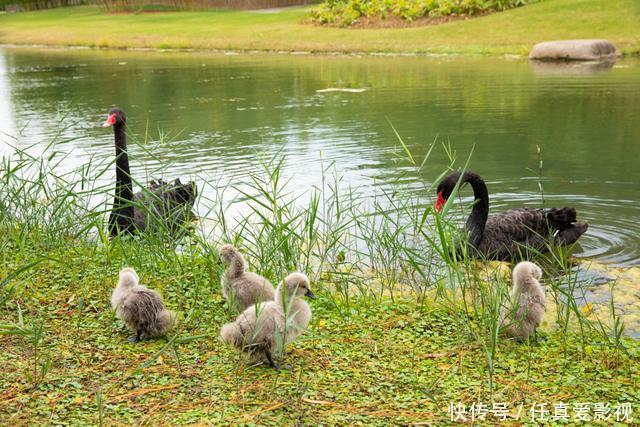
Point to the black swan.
(169, 203)
(509, 234)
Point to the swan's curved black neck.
(123, 177)
(121, 218)
(480, 212)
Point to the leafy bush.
(348, 12)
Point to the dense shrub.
(348, 12)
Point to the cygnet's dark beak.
(310, 294)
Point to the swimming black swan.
(511, 233)
(170, 203)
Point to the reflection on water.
(571, 67)
(7, 126)
(209, 117)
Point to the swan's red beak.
(440, 202)
(111, 120)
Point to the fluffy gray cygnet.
(141, 308)
(528, 296)
(240, 287)
(263, 329)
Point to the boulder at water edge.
(574, 50)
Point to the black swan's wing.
(563, 222)
(171, 203)
(511, 232)
(571, 234)
(561, 219)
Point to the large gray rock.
(574, 50)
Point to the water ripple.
(214, 119)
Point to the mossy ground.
(364, 363)
(511, 32)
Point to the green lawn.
(390, 363)
(510, 32)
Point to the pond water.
(215, 113)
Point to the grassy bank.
(397, 334)
(514, 31)
(389, 363)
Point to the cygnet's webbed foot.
(274, 365)
(135, 338)
(270, 360)
(539, 337)
(284, 366)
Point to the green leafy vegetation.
(348, 12)
(401, 329)
(513, 31)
